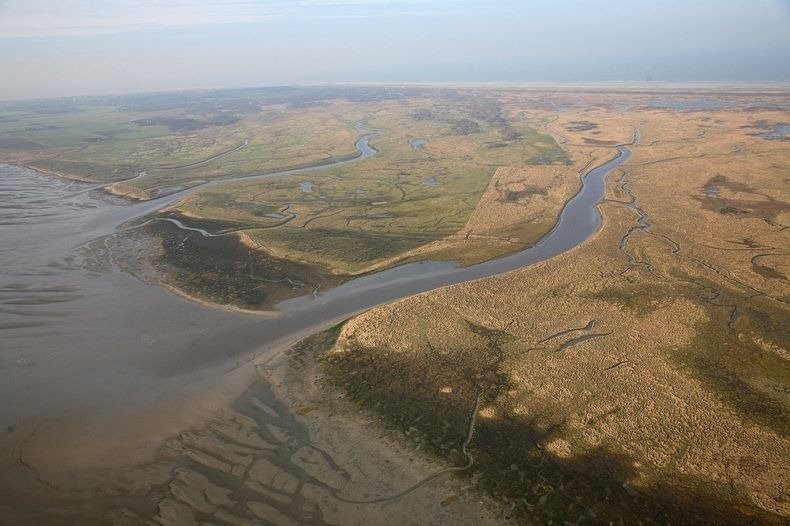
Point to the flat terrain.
(432, 168)
(174, 141)
(641, 377)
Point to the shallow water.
(78, 334)
(778, 132)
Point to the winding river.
(96, 365)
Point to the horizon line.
(635, 85)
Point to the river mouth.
(87, 342)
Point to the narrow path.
(588, 327)
(452, 469)
(182, 226)
(204, 161)
(580, 339)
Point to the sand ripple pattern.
(46, 199)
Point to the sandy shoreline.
(132, 194)
(54, 173)
(216, 306)
(290, 449)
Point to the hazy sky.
(67, 47)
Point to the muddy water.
(97, 367)
(81, 342)
(75, 331)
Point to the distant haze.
(54, 48)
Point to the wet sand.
(291, 450)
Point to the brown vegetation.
(673, 405)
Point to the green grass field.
(422, 186)
(437, 153)
(111, 143)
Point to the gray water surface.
(77, 334)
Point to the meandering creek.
(90, 353)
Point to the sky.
(51, 48)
